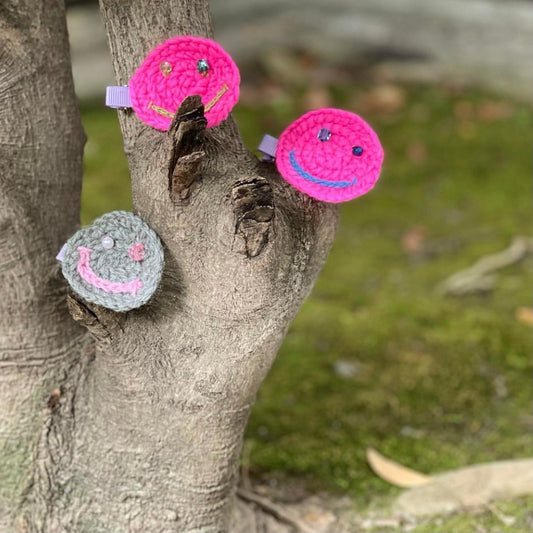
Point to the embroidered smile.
(87, 273)
(309, 177)
(165, 113)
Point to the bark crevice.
(253, 204)
(186, 134)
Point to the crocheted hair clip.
(177, 68)
(329, 154)
(116, 262)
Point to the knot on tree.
(253, 205)
(102, 323)
(186, 133)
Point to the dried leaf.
(525, 315)
(472, 486)
(413, 240)
(478, 278)
(416, 152)
(393, 472)
(490, 111)
(383, 99)
(317, 97)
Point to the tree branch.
(186, 133)
(102, 323)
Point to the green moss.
(440, 382)
(504, 516)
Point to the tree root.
(279, 512)
(479, 277)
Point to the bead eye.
(108, 242)
(202, 67)
(166, 68)
(357, 151)
(323, 135)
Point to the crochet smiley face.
(181, 67)
(330, 154)
(116, 262)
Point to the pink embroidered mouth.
(87, 273)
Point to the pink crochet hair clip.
(177, 68)
(329, 154)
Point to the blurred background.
(388, 352)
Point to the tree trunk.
(41, 145)
(145, 417)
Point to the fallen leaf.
(393, 472)
(479, 277)
(383, 99)
(472, 486)
(490, 111)
(317, 97)
(416, 152)
(525, 315)
(413, 240)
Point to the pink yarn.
(137, 251)
(170, 73)
(87, 273)
(328, 169)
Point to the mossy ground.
(503, 516)
(438, 382)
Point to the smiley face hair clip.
(329, 154)
(177, 68)
(116, 262)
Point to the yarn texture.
(116, 262)
(330, 154)
(181, 67)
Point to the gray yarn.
(115, 264)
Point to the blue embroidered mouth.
(306, 176)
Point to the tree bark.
(41, 144)
(144, 431)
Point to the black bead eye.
(323, 135)
(202, 66)
(357, 151)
